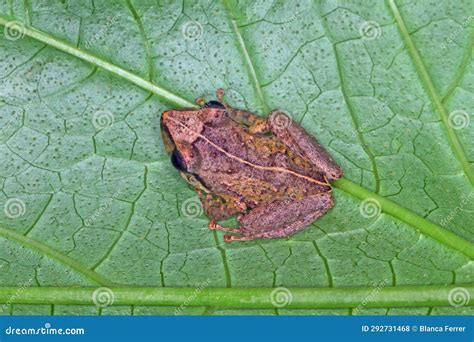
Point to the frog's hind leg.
(295, 136)
(213, 225)
(282, 217)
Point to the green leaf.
(93, 207)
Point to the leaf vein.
(242, 47)
(453, 139)
(56, 255)
(345, 185)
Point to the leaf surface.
(81, 91)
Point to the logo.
(370, 30)
(14, 30)
(281, 297)
(370, 207)
(192, 30)
(14, 208)
(103, 297)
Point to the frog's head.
(180, 128)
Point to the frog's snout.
(166, 134)
(164, 118)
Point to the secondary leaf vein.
(433, 93)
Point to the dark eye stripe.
(178, 162)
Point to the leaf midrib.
(49, 40)
(296, 298)
(388, 206)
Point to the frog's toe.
(220, 94)
(213, 225)
(200, 101)
(230, 238)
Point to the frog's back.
(256, 167)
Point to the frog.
(267, 171)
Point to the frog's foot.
(200, 101)
(220, 94)
(230, 238)
(213, 225)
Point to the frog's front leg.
(295, 136)
(256, 124)
(281, 217)
(220, 207)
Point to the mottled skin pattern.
(274, 176)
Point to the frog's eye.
(214, 104)
(178, 161)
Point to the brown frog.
(268, 171)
